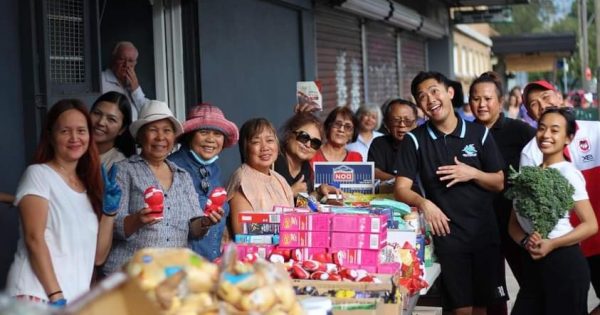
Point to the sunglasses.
(204, 183)
(303, 137)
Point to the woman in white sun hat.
(182, 219)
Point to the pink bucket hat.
(207, 116)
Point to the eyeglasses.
(204, 183)
(341, 126)
(303, 137)
(405, 121)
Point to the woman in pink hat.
(206, 133)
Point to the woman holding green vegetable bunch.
(557, 277)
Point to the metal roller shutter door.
(412, 54)
(382, 63)
(339, 57)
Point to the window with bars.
(66, 41)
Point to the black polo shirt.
(382, 152)
(511, 136)
(467, 205)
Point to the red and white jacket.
(584, 153)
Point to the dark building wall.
(12, 148)
(252, 53)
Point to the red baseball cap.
(537, 85)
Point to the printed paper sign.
(351, 177)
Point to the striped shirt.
(180, 205)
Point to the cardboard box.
(260, 228)
(307, 252)
(117, 295)
(427, 310)
(255, 239)
(399, 237)
(379, 309)
(303, 239)
(262, 251)
(359, 223)
(259, 217)
(295, 221)
(353, 256)
(358, 240)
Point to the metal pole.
(597, 21)
(580, 40)
(584, 39)
(565, 70)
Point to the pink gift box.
(262, 250)
(285, 209)
(358, 240)
(388, 268)
(361, 223)
(259, 217)
(294, 221)
(369, 268)
(298, 239)
(307, 252)
(353, 256)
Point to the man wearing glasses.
(583, 152)
(121, 76)
(400, 117)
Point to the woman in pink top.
(340, 129)
(255, 186)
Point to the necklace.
(72, 179)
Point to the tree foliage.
(540, 16)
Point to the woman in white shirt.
(557, 276)
(369, 121)
(65, 229)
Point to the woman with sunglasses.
(340, 129)
(206, 133)
(301, 138)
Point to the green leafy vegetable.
(542, 195)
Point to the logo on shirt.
(343, 174)
(469, 151)
(584, 145)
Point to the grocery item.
(154, 200)
(216, 199)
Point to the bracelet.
(523, 242)
(54, 293)
(109, 215)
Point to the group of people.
(83, 201)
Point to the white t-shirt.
(362, 146)
(70, 234)
(574, 176)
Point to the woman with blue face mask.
(205, 134)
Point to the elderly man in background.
(121, 76)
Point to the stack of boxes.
(358, 238)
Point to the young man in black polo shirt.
(460, 169)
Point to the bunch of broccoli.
(541, 195)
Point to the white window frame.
(168, 55)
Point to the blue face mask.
(203, 161)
